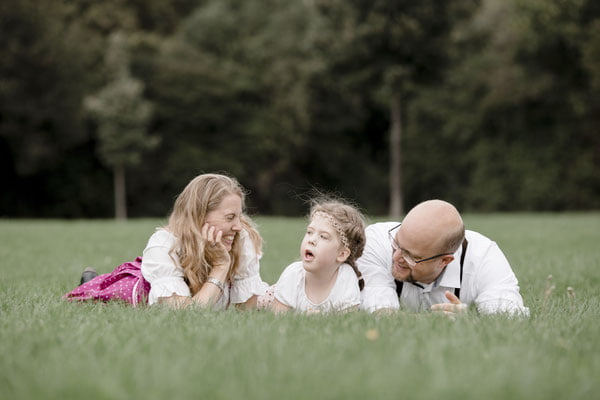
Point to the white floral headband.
(335, 225)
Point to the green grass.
(52, 349)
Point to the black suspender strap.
(462, 263)
(400, 284)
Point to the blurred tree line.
(490, 104)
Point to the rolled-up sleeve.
(161, 270)
(376, 267)
(497, 287)
(247, 281)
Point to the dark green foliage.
(501, 103)
(517, 115)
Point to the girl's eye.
(325, 237)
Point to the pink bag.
(124, 283)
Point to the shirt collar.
(450, 277)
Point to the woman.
(208, 254)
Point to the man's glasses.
(407, 257)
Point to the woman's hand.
(214, 249)
(218, 256)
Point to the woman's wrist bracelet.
(216, 282)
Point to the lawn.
(52, 349)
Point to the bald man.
(429, 262)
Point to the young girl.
(208, 254)
(326, 279)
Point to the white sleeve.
(247, 281)
(375, 264)
(349, 292)
(288, 285)
(162, 272)
(496, 287)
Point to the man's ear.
(343, 255)
(447, 260)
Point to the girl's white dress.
(165, 274)
(290, 290)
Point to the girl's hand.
(214, 248)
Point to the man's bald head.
(436, 222)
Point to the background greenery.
(57, 350)
(499, 101)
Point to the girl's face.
(321, 247)
(226, 218)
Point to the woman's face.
(226, 218)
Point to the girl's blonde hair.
(349, 223)
(202, 195)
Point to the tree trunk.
(120, 196)
(396, 207)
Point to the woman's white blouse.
(290, 290)
(165, 275)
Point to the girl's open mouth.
(308, 255)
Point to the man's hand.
(452, 308)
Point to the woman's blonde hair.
(349, 223)
(202, 195)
